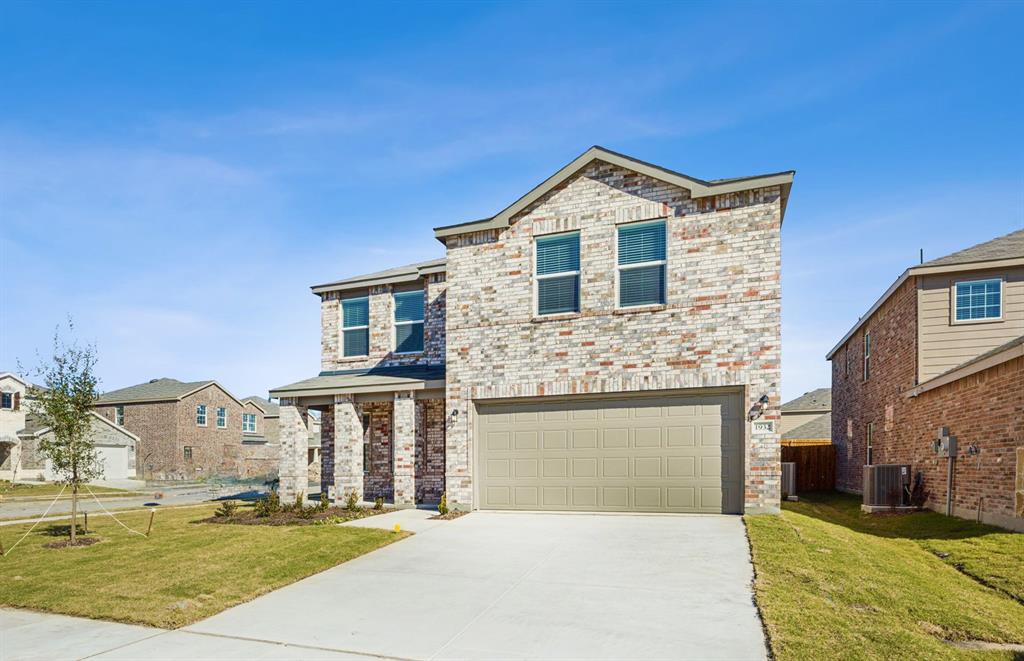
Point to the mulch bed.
(288, 518)
(66, 543)
(452, 514)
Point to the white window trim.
(987, 320)
(203, 407)
(625, 267)
(119, 415)
(561, 274)
(217, 416)
(396, 324)
(245, 424)
(867, 355)
(343, 327)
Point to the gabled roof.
(33, 426)
(14, 376)
(1006, 250)
(270, 409)
(157, 390)
(815, 400)
(396, 275)
(697, 187)
(820, 427)
(375, 379)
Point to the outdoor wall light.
(757, 410)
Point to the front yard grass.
(833, 582)
(184, 572)
(21, 489)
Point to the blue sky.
(175, 176)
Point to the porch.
(382, 434)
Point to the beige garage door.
(679, 453)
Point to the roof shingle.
(815, 400)
(157, 390)
(1007, 246)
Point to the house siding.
(943, 344)
(719, 327)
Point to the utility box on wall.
(945, 445)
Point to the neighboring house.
(115, 449)
(260, 425)
(806, 419)
(187, 430)
(942, 347)
(13, 407)
(597, 345)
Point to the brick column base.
(294, 438)
(348, 449)
(405, 448)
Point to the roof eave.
(958, 373)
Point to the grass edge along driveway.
(184, 572)
(833, 583)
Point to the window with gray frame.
(7, 400)
(869, 440)
(557, 273)
(119, 414)
(355, 326)
(641, 264)
(201, 415)
(409, 321)
(979, 299)
(867, 355)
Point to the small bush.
(271, 504)
(442, 507)
(227, 509)
(378, 503)
(323, 503)
(351, 502)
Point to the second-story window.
(867, 355)
(222, 417)
(355, 327)
(7, 400)
(119, 414)
(979, 299)
(409, 322)
(201, 415)
(641, 264)
(557, 276)
(249, 423)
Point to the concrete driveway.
(504, 586)
(516, 585)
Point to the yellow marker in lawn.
(398, 527)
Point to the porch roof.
(374, 379)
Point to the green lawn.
(49, 489)
(833, 582)
(184, 572)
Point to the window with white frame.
(201, 415)
(641, 264)
(249, 423)
(222, 417)
(867, 355)
(979, 299)
(869, 440)
(557, 273)
(409, 321)
(119, 414)
(355, 327)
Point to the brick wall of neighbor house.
(271, 428)
(382, 327)
(986, 409)
(429, 450)
(720, 326)
(214, 451)
(880, 399)
(155, 425)
(378, 480)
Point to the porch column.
(405, 448)
(294, 439)
(348, 449)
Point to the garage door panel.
(675, 453)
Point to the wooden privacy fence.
(815, 466)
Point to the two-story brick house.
(942, 347)
(189, 430)
(608, 342)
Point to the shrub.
(268, 505)
(351, 502)
(918, 494)
(227, 509)
(442, 507)
(378, 503)
(323, 503)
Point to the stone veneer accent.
(405, 448)
(294, 436)
(720, 326)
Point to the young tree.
(63, 404)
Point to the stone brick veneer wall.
(429, 450)
(720, 326)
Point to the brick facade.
(720, 326)
(985, 409)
